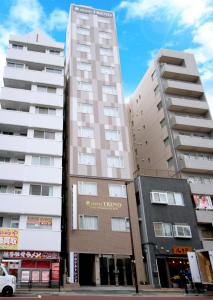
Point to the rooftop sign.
(93, 11)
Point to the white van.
(7, 282)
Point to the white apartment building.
(172, 130)
(31, 124)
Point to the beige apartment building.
(172, 130)
(99, 159)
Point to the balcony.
(191, 123)
(207, 244)
(187, 105)
(35, 57)
(14, 77)
(30, 173)
(183, 142)
(22, 144)
(32, 97)
(196, 165)
(39, 240)
(32, 205)
(178, 73)
(182, 88)
(29, 120)
(201, 188)
(204, 216)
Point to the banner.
(31, 254)
(9, 238)
(39, 220)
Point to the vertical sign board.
(74, 206)
(55, 271)
(194, 267)
(71, 267)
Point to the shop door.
(120, 270)
(128, 271)
(104, 270)
(111, 262)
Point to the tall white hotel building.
(31, 124)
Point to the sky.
(144, 26)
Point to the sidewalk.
(103, 290)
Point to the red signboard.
(56, 271)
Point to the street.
(85, 297)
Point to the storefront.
(33, 267)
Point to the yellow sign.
(104, 205)
(181, 250)
(9, 238)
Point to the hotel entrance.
(115, 270)
(104, 270)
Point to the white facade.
(31, 124)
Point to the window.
(83, 48)
(156, 90)
(46, 89)
(88, 222)
(84, 86)
(14, 222)
(203, 201)
(16, 46)
(43, 160)
(106, 51)
(83, 31)
(84, 66)
(36, 222)
(115, 162)
(111, 111)
(170, 162)
(108, 70)
(54, 70)
(117, 190)
(175, 198)
(87, 188)
(112, 135)
(105, 35)
(55, 52)
(182, 231)
(120, 224)
(45, 110)
(3, 188)
(159, 105)
(49, 135)
(85, 108)
(167, 197)
(1, 221)
(109, 89)
(163, 229)
(166, 141)
(43, 190)
(86, 132)
(15, 65)
(163, 123)
(86, 159)
(18, 190)
(159, 197)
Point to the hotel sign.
(104, 205)
(9, 238)
(91, 11)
